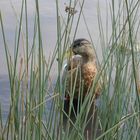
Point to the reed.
(36, 101)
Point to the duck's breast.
(89, 72)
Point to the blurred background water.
(10, 10)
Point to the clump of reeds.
(36, 103)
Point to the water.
(4, 95)
(10, 10)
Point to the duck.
(81, 69)
(79, 75)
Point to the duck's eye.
(74, 46)
(77, 45)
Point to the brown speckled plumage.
(81, 70)
(89, 72)
(78, 76)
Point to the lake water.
(48, 23)
(10, 10)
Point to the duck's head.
(84, 48)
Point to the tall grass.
(36, 105)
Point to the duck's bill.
(68, 54)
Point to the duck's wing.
(71, 77)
